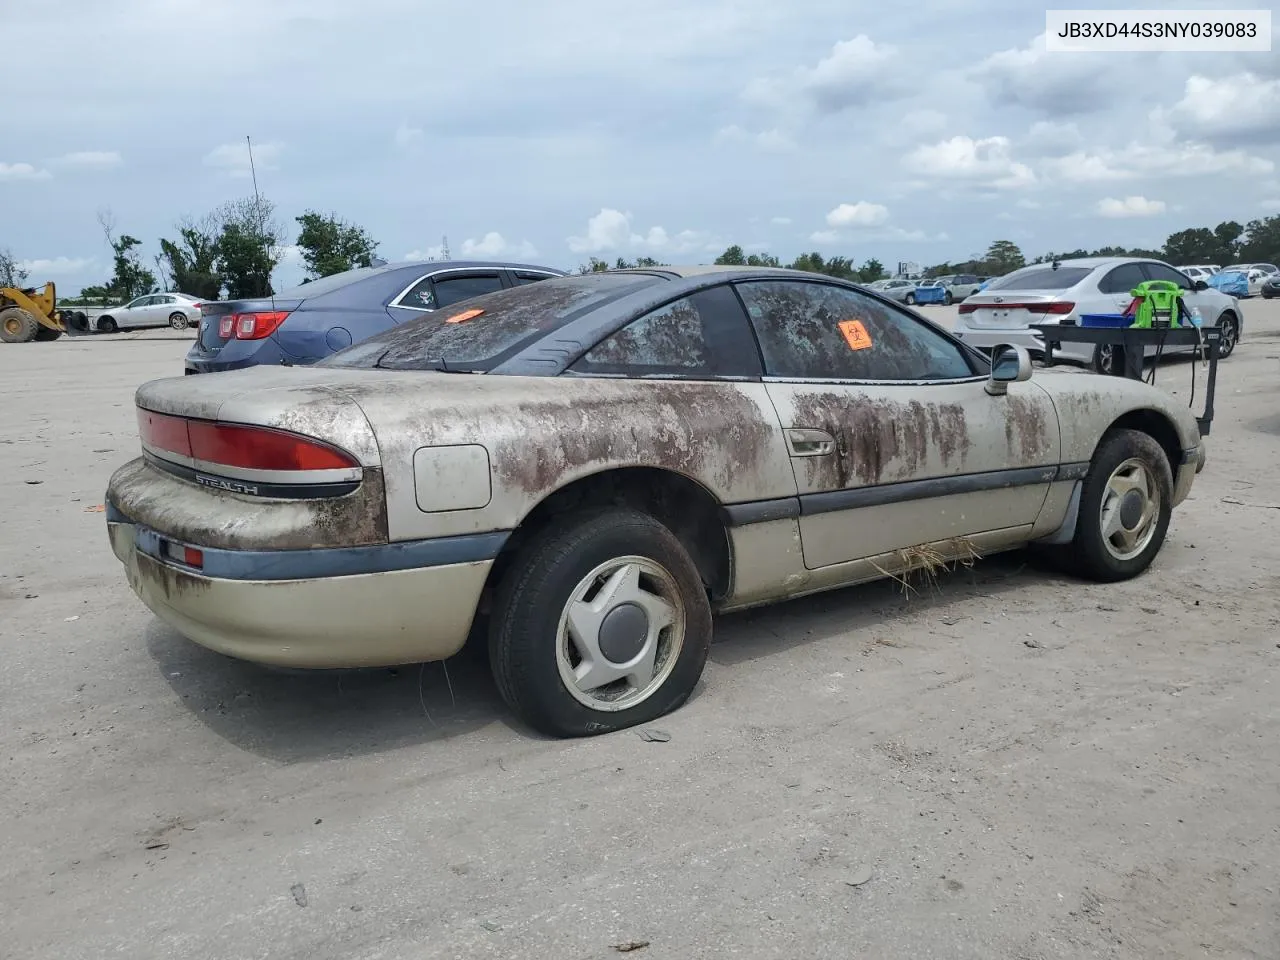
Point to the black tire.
(178, 320)
(17, 326)
(45, 334)
(948, 299)
(533, 598)
(910, 300)
(107, 325)
(1109, 359)
(1229, 324)
(1092, 553)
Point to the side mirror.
(1009, 364)
(1201, 285)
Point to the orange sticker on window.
(855, 334)
(464, 315)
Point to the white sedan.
(177, 310)
(1061, 292)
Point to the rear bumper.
(383, 617)
(234, 356)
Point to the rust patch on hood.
(881, 440)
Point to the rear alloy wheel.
(1109, 359)
(910, 299)
(1230, 328)
(600, 624)
(178, 320)
(1125, 506)
(948, 299)
(107, 325)
(17, 326)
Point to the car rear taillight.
(239, 447)
(1056, 307)
(251, 326)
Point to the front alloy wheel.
(1230, 336)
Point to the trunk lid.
(210, 340)
(1016, 308)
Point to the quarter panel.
(543, 433)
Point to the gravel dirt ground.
(1011, 765)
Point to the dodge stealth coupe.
(586, 469)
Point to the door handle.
(810, 443)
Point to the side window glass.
(420, 297)
(451, 290)
(1158, 271)
(671, 339)
(819, 331)
(523, 278)
(1122, 279)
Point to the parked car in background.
(587, 469)
(311, 321)
(903, 291)
(1256, 274)
(1271, 286)
(1060, 292)
(1233, 283)
(955, 287)
(176, 310)
(1197, 273)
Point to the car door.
(892, 437)
(443, 288)
(1116, 285)
(133, 313)
(159, 309)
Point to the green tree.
(812, 262)
(732, 257)
(191, 262)
(871, 271)
(763, 260)
(129, 278)
(248, 247)
(330, 245)
(1262, 242)
(1220, 245)
(11, 274)
(1002, 257)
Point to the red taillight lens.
(257, 326)
(259, 448)
(164, 433)
(1057, 307)
(192, 557)
(233, 445)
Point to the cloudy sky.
(556, 131)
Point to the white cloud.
(90, 158)
(772, 140)
(1130, 207)
(233, 158)
(826, 236)
(431, 253)
(22, 171)
(986, 161)
(611, 230)
(854, 73)
(407, 136)
(1144, 160)
(1053, 83)
(1242, 108)
(1050, 138)
(56, 267)
(860, 214)
(492, 245)
(780, 221)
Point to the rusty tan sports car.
(588, 468)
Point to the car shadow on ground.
(292, 716)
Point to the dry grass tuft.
(926, 561)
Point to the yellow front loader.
(30, 315)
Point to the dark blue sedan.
(311, 321)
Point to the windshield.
(475, 334)
(1040, 278)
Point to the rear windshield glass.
(328, 284)
(493, 324)
(1041, 278)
